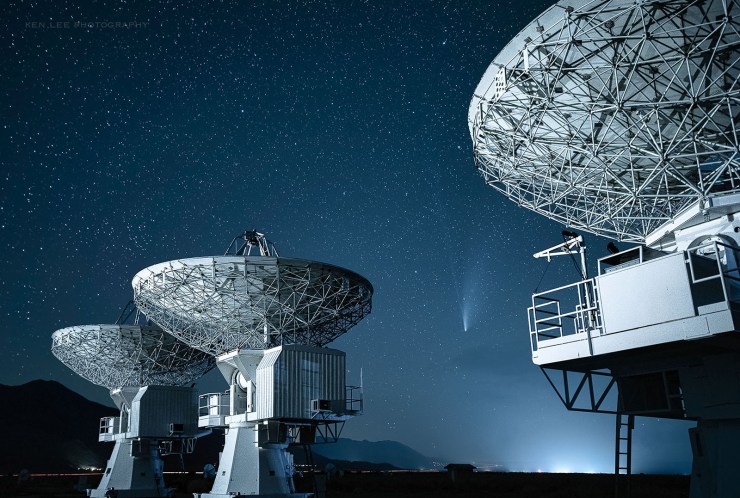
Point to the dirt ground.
(399, 485)
(505, 485)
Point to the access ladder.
(623, 455)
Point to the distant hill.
(322, 463)
(376, 452)
(47, 427)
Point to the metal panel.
(657, 291)
(155, 408)
(290, 377)
(266, 383)
(712, 387)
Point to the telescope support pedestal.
(714, 444)
(246, 468)
(131, 473)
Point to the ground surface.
(406, 484)
(504, 485)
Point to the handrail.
(575, 308)
(575, 303)
(206, 404)
(723, 269)
(350, 401)
(580, 282)
(109, 425)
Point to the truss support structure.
(222, 303)
(119, 355)
(614, 116)
(582, 391)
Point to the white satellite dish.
(145, 369)
(615, 117)
(619, 118)
(266, 319)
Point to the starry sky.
(134, 133)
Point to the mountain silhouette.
(48, 428)
(392, 453)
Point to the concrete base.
(248, 469)
(134, 470)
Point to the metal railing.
(177, 446)
(567, 310)
(213, 408)
(325, 409)
(713, 269)
(575, 308)
(353, 399)
(213, 404)
(110, 426)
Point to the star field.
(339, 130)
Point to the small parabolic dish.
(614, 116)
(116, 356)
(222, 303)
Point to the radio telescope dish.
(222, 303)
(266, 319)
(614, 116)
(116, 356)
(619, 118)
(145, 369)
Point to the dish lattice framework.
(613, 116)
(218, 304)
(116, 356)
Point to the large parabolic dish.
(221, 303)
(116, 356)
(614, 116)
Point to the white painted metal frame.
(116, 356)
(222, 303)
(614, 116)
(563, 318)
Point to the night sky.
(339, 130)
